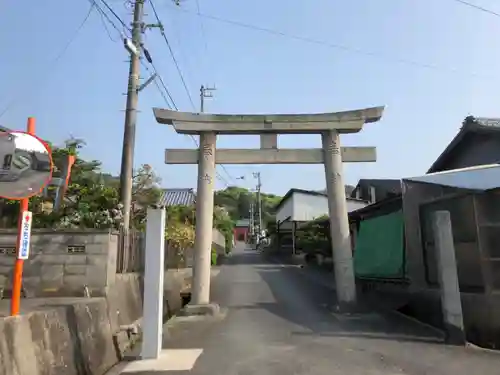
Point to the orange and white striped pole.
(17, 279)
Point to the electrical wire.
(171, 104)
(202, 27)
(105, 15)
(162, 93)
(184, 84)
(165, 87)
(227, 172)
(103, 21)
(116, 15)
(478, 7)
(172, 54)
(345, 48)
(58, 57)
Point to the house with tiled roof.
(476, 143)
(375, 190)
(177, 197)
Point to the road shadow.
(248, 257)
(312, 305)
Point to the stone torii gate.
(329, 125)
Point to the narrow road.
(280, 322)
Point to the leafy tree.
(88, 202)
(237, 200)
(145, 192)
(180, 237)
(92, 197)
(315, 236)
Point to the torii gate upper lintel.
(240, 124)
(329, 125)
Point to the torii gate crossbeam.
(329, 125)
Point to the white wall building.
(303, 205)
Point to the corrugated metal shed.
(177, 197)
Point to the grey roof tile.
(177, 197)
(389, 185)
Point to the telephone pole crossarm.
(205, 92)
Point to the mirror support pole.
(17, 280)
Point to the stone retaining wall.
(61, 263)
(72, 340)
(85, 337)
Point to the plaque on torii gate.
(329, 125)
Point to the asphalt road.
(29, 183)
(280, 322)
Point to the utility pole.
(205, 92)
(259, 203)
(134, 48)
(252, 220)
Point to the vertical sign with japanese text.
(24, 238)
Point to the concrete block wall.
(61, 263)
(80, 336)
(68, 340)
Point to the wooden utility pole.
(134, 47)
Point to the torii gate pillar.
(339, 223)
(329, 125)
(200, 288)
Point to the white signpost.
(153, 284)
(25, 237)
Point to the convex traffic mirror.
(25, 165)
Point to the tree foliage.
(237, 201)
(315, 236)
(92, 198)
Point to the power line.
(172, 54)
(162, 93)
(218, 175)
(345, 48)
(103, 21)
(227, 172)
(164, 87)
(478, 7)
(105, 15)
(116, 15)
(202, 27)
(165, 90)
(58, 56)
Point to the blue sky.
(389, 43)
